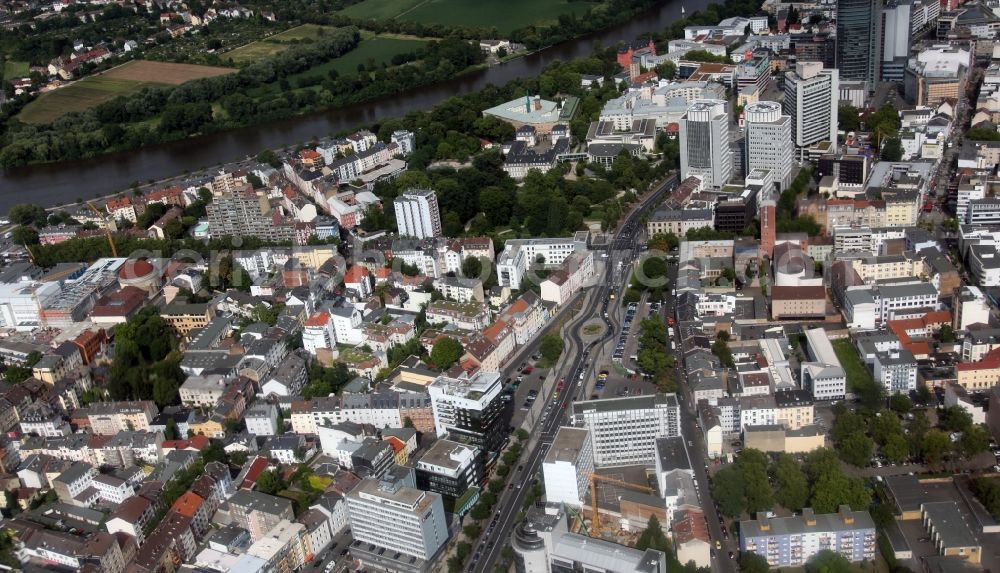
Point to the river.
(64, 182)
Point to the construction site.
(626, 497)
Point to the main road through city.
(625, 249)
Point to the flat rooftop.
(630, 403)
(672, 453)
(910, 493)
(820, 347)
(441, 454)
(567, 445)
(949, 522)
(523, 110)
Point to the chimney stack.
(538, 103)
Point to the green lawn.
(78, 96)
(13, 69)
(380, 9)
(858, 376)
(305, 31)
(273, 44)
(505, 15)
(378, 49)
(320, 482)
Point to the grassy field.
(380, 49)
(13, 69)
(505, 15)
(858, 375)
(380, 9)
(273, 44)
(125, 79)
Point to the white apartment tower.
(417, 214)
(812, 94)
(704, 134)
(769, 141)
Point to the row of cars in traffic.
(630, 311)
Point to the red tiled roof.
(989, 362)
(188, 504)
(196, 442)
(396, 443)
(119, 203)
(692, 526)
(257, 467)
(493, 331)
(318, 319)
(355, 274)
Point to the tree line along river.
(57, 183)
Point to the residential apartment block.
(792, 541)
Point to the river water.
(57, 183)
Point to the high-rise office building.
(623, 431)
(812, 94)
(395, 527)
(469, 410)
(769, 141)
(896, 27)
(704, 134)
(417, 214)
(859, 40)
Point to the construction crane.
(595, 519)
(107, 229)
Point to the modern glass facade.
(859, 39)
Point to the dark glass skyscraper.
(859, 40)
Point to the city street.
(697, 452)
(578, 369)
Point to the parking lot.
(623, 337)
(530, 384)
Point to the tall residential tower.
(417, 214)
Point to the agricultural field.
(125, 79)
(14, 69)
(505, 15)
(273, 44)
(146, 71)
